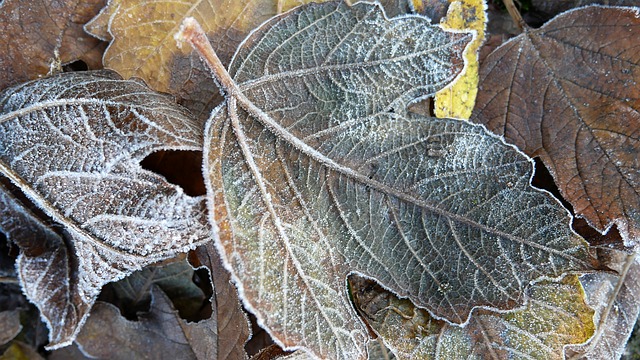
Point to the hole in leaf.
(76, 66)
(181, 168)
(542, 179)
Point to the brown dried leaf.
(9, 325)
(315, 170)
(159, 334)
(72, 144)
(37, 37)
(569, 93)
(232, 322)
(141, 34)
(557, 6)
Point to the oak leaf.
(72, 144)
(38, 37)
(314, 170)
(570, 95)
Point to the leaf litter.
(347, 135)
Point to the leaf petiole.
(192, 32)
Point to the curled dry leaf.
(556, 315)
(315, 170)
(571, 95)
(141, 31)
(37, 37)
(159, 334)
(72, 144)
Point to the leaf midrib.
(286, 136)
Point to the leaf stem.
(515, 14)
(192, 32)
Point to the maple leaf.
(570, 95)
(72, 144)
(314, 170)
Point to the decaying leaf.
(457, 100)
(9, 325)
(556, 315)
(19, 351)
(72, 144)
(133, 293)
(571, 95)
(160, 334)
(37, 37)
(141, 34)
(315, 171)
(616, 299)
(232, 323)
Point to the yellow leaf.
(457, 100)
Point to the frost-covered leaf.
(37, 37)
(232, 323)
(43, 267)
(72, 144)
(569, 92)
(556, 315)
(616, 299)
(140, 33)
(159, 334)
(315, 170)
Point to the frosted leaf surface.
(72, 143)
(43, 267)
(315, 171)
